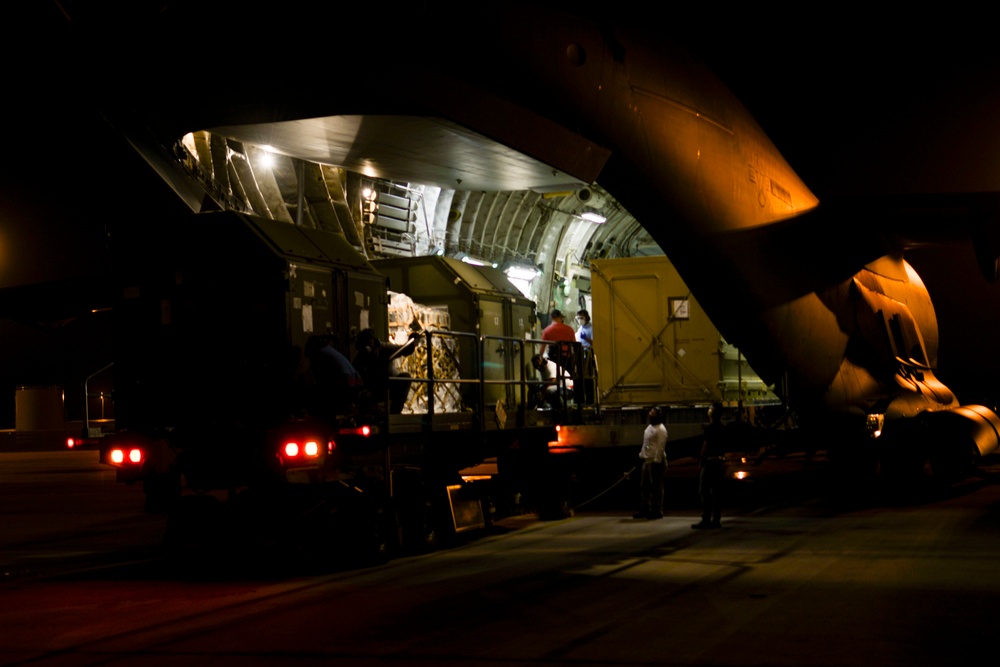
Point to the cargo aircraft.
(529, 96)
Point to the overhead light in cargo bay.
(519, 272)
(266, 159)
(593, 216)
(473, 260)
(521, 275)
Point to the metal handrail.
(579, 371)
(523, 383)
(430, 380)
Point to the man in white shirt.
(654, 465)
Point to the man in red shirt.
(559, 332)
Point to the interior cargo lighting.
(291, 449)
(266, 159)
(474, 261)
(522, 273)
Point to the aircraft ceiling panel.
(407, 148)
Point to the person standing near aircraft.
(561, 337)
(712, 465)
(654, 466)
(585, 336)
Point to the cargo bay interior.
(543, 238)
(526, 238)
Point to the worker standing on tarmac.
(654, 467)
(712, 465)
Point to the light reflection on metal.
(874, 424)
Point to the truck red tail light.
(308, 449)
(121, 455)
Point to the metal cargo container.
(480, 301)
(655, 345)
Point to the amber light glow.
(312, 448)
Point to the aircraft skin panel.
(425, 150)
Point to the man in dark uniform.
(713, 467)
